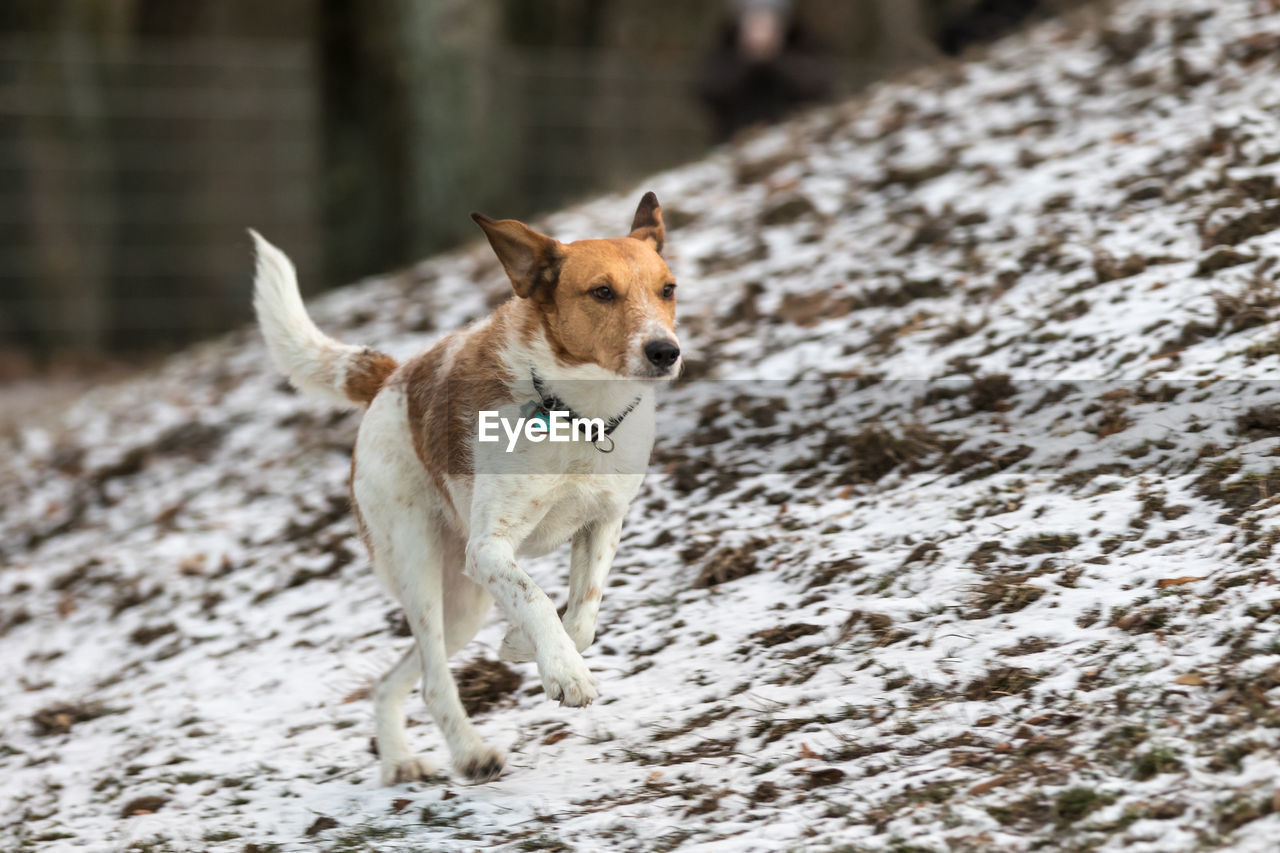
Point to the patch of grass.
(828, 572)
(1074, 803)
(990, 458)
(873, 452)
(1245, 808)
(58, 719)
(1259, 422)
(1153, 762)
(1048, 543)
(1003, 593)
(878, 625)
(991, 393)
(1030, 810)
(365, 838)
(785, 634)
(730, 564)
(544, 842)
(220, 835)
(1002, 681)
(1220, 483)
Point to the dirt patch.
(484, 684)
(147, 634)
(878, 625)
(1241, 492)
(828, 572)
(1003, 593)
(990, 458)
(1233, 228)
(58, 719)
(143, 805)
(787, 209)
(785, 634)
(1003, 681)
(1048, 543)
(873, 452)
(730, 564)
(1259, 422)
(822, 778)
(1222, 258)
(991, 393)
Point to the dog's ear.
(647, 224)
(532, 260)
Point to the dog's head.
(609, 302)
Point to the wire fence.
(129, 173)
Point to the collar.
(549, 402)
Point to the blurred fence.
(128, 172)
(127, 177)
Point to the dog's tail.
(315, 363)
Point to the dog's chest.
(575, 503)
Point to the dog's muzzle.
(662, 354)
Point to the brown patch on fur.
(446, 387)
(366, 373)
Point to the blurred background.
(139, 138)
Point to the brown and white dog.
(445, 515)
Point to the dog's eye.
(668, 291)
(604, 293)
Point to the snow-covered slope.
(959, 534)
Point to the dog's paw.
(482, 764)
(568, 681)
(406, 770)
(516, 646)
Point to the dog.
(590, 331)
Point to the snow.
(951, 619)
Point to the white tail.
(315, 363)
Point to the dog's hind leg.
(398, 763)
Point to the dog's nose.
(661, 353)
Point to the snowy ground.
(958, 537)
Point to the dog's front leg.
(491, 562)
(593, 550)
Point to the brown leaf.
(1191, 679)
(356, 695)
(806, 752)
(1165, 583)
(992, 784)
(400, 804)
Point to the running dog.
(589, 333)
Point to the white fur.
(314, 362)
(448, 556)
